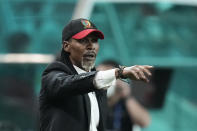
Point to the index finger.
(148, 66)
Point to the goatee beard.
(87, 65)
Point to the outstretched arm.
(137, 72)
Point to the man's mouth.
(90, 56)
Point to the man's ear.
(66, 46)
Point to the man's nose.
(90, 45)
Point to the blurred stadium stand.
(162, 34)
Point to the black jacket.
(64, 102)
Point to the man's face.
(83, 52)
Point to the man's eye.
(82, 41)
(94, 40)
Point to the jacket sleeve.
(58, 83)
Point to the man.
(124, 110)
(73, 94)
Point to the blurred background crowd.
(151, 32)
